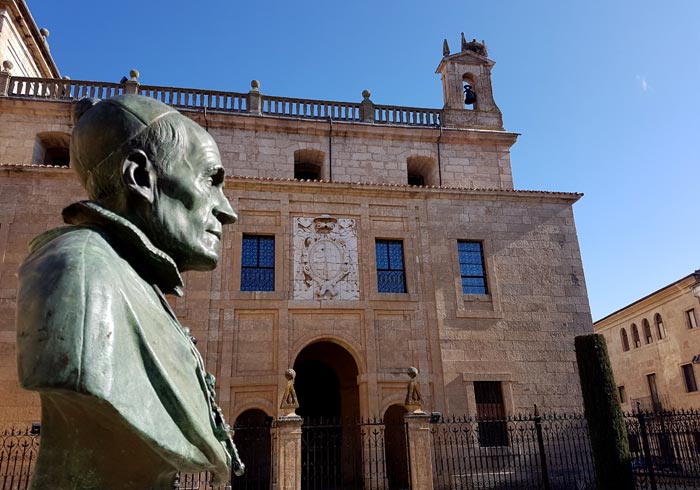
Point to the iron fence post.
(645, 448)
(540, 445)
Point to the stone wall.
(670, 347)
(521, 334)
(264, 147)
(14, 48)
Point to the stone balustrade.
(252, 103)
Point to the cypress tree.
(606, 423)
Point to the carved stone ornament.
(325, 259)
(414, 400)
(289, 400)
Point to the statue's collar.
(149, 261)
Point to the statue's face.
(189, 208)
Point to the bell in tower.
(466, 86)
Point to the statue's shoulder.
(70, 248)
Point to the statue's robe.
(123, 388)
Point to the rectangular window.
(491, 413)
(692, 321)
(689, 376)
(258, 263)
(622, 393)
(391, 276)
(471, 267)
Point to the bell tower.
(466, 87)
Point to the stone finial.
(134, 74)
(7, 66)
(44, 32)
(254, 86)
(445, 48)
(289, 400)
(414, 400)
(464, 43)
(365, 94)
(66, 77)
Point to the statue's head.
(147, 162)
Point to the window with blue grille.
(391, 276)
(258, 263)
(471, 267)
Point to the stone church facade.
(371, 239)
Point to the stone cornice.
(645, 304)
(36, 43)
(319, 187)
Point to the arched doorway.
(396, 448)
(252, 438)
(329, 402)
(326, 382)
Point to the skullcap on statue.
(102, 130)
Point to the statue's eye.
(216, 178)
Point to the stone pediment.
(465, 57)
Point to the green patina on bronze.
(126, 402)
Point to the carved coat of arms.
(325, 259)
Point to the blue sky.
(605, 93)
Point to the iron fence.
(665, 448)
(522, 452)
(367, 454)
(255, 449)
(19, 447)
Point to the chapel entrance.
(329, 402)
(252, 438)
(396, 448)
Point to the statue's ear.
(139, 175)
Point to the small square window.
(258, 263)
(622, 393)
(689, 377)
(471, 267)
(391, 275)
(692, 320)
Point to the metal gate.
(362, 455)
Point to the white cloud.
(642, 79)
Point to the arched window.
(635, 336)
(469, 92)
(421, 170)
(308, 164)
(51, 148)
(660, 329)
(648, 338)
(625, 340)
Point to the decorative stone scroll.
(325, 259)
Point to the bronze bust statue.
(126, 402)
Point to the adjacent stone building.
(654, 347)
(371, 239)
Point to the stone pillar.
(420, 439)
(5, 77)
(287, 453)
(132, 86)
(366, 108)
(254, 102)
(420, 450)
